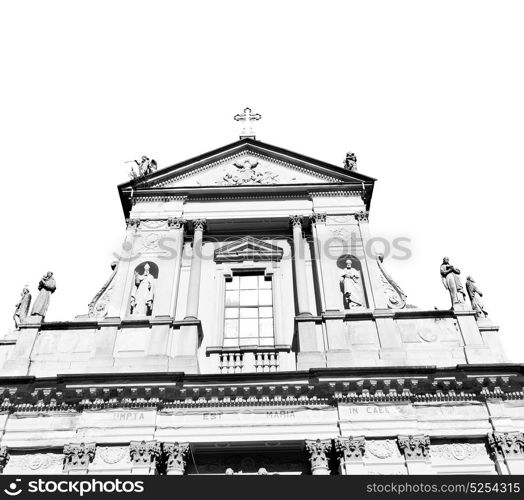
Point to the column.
(350, 453)
(311, 352)
(416, 453)
(318, 451)
(78, 456)
(4, 458)
(175, 455)
(144, 456)
(193, 293)
(507, 451)
(187, 339)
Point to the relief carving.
(381, 449)
(78, 456)
(144, 452)
(395, 297)
(98, 306)
(507, 444)
(247, 172)
(351, 448)
(414, 447)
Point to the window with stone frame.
(248, 315)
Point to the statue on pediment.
(452, 283)
(143, 293)
(350, 163)
(145, 166)
(46, 287)
(475, 295)
(351, 285)
(22, 308)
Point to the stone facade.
(247, 328)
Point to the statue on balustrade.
(475, 296)
(22, 308)
(46, 287)
(452, 283)
(351, 285)
(143, 293)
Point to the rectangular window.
(248, 316)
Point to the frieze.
(112, 454)
(382, 449)
(458, 451)
(37, 462)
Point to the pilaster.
(144, 456)
(350, 453)
(416, 453)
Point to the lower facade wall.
(268, 437)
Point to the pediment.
(248, 248)
(247, 163)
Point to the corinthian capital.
(317, 218)
(176, 223)
(295, 220)
(507, 444)
(175, 455)
(144, 452)
(350, 448)
(79, 455)
(199, 224)
(318, 451)
(362, 216)
(414, 447)
(4, 457)
(133, 223)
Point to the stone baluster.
(175, 455)
(507, 451)
(78, 456)
(311, 354)
(416, 453)
(4, 458)
(318, 456)
(350, 453)
(144, 456)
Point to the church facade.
(247, 328)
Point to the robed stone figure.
(22, 308)
(46, 287)
(475, 296)
(351, 286)
(451, 282)
(143, 293)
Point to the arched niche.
(141, 301)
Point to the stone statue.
(145, 166)
(350, 163)
(351, 287)
(22, 308)
(475, 296)
(46, 287)
(451, 281)
(143, 293)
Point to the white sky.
(429, 95)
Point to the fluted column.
(193, 293)
(318, 456)
(175, 455)
(507, 451)
(416, 453)
(350, 453)
(78, 456)
(300, 267)
(144, 455)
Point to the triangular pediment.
(247, 163)
(248, 248)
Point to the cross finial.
(247, 117)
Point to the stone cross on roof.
(247, 117)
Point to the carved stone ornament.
(4, 457)
(318, 451)
(381, 449)
(175, 455)
(350, 448)
(98, 306)
(395, 297)
(133, 223)
(144, 452)
(318, 218)
(455, 451)
(112, 454)
(414, 447)
(247, 172)
(507, 444)
(199, 224)
(79, 456)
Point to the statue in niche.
(475, 296)
(452, 283)
(143, 293)
(46, 287)
(22, 308)
(350, 283)
(350, 163)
